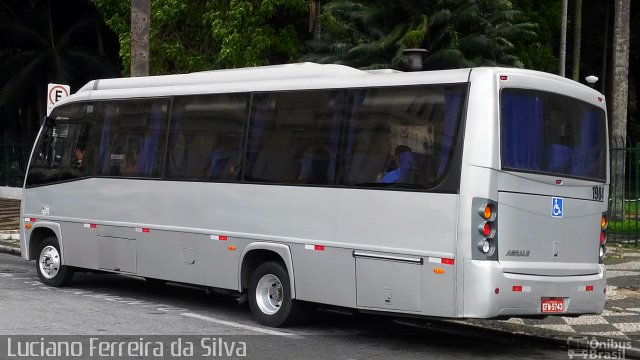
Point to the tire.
(50, 271)
(270, 297)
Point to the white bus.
(437, 194)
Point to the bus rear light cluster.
(487, 228)
(604, 224)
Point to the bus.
(434, 193)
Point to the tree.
(620, 93)
(42, 43)
(251, 33)
(188, 36)
(178, 36)
(456, 33)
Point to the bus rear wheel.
(270, 296)
(49, 265)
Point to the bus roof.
(305, 70)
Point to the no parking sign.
(55, 93)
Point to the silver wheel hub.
(49, 262)
(269, 294)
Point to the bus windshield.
(552, 134)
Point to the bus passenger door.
(117, 249)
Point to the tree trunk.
(605, 48)
(577, 40)
(620, 99)
(139, 37)
(563, 38)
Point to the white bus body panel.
(182, 218)
(562, 254)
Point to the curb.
(10, 250)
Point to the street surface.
(103, 305)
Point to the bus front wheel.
(49, 266)
(270, 296)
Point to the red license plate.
(552, 305)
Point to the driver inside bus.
(79, 155)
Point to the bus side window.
(294, 137)
(205, 137)
(132, 137)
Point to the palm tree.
(41, 44)
(457, 33)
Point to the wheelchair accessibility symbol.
(556, 207)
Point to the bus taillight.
(604, 224)
(487, 229)
(487, 212)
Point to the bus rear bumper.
(490, 292)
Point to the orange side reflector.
(27, 226)
(438, 271)
(231, 248)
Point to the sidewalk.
(618, 325)
(9, 225)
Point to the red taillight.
(603, 237)
(516, 288)
(504, 77)
(486, 229)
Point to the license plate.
(552, 305)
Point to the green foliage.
(187, 36)
(456, 33)
(414, 38)
(251, 33)
(539, 53)
(176, 41)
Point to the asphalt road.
(107, 307)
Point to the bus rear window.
(552, 134)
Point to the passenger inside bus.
(130, 164)
(392, 173)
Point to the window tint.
(552, 134)
(294, 137)
(401, 135)
(132, 136)
(205, 138)
(64, 150)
